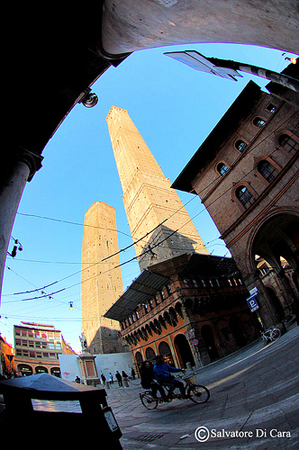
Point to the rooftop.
(152, 280)
(143, 288)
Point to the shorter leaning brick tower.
(101, 282)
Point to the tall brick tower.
(157, 218)
(101, 282)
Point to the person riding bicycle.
(162, 373)
(148, 381)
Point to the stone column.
(266, 310)
(14, 176)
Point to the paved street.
(254, 404)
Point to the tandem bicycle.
(194, 392)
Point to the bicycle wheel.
(148, 400)
(275, 333)
(198, 393)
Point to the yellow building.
(7, 364)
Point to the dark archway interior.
(279, 237)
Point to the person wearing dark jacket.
(162, 373)
(118, 377)
(148, 382)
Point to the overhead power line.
(149, 250)
(72, 223)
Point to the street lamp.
(87, 98)
(229, 69)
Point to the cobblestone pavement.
(254, 404)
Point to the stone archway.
(183, 350)
(237, 331)
(277, 243)
(128, 26)
(165, 351)
(55, 371)
(208, 338)
(41, 369)
(278, 236)
(139, 360)
(25, 369)
(150, 354)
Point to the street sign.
(253, 291)
(252, 303)
(190, 334)
(195, 342)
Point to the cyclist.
(148, 382)
(162, 373)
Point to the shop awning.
(140, 291)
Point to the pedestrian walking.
(125, 378)
(118, 377)
(110, 376)
(103, 378)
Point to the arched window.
(288, 143)
(240, 145)
(244, 196)
(258, 122)
(222, 168)
(266, 169)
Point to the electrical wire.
(161, 242)
(104, 259)
(73, 223)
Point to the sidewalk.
(254, 389)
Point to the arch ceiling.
(53, 57)
(129, 25)
(278, 237)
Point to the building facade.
(101, 281)
(160, 225)
(191, 308)
(37, 347)
(7, 365)
(246, 174)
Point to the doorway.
(237, 331)
(208, 338)
(183, 350)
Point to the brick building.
(246, 174)
(190, 308)
(37, 347)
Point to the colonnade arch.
(275, 252)
(166, 319)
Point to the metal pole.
(284, 80)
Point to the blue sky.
(174, 109)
